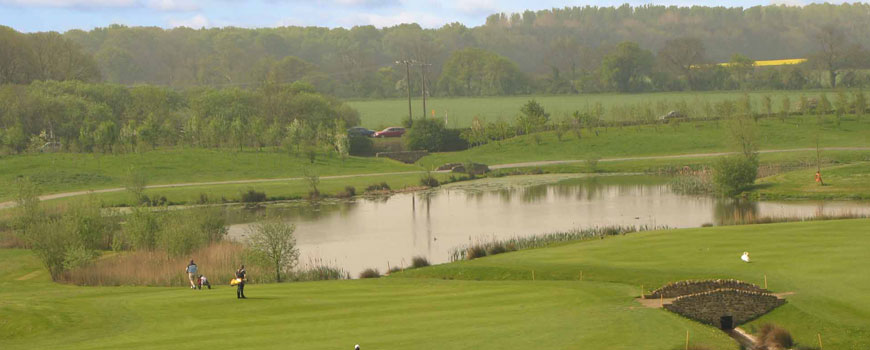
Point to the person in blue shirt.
(191, 274)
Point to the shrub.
(361, 145)
(252, 196)
(419, 261)
(349, 191)
(732, 175)
(592, 162)
(383, 186)
(475, 251)
(318, 273)
(496, 248)
(433, 136)
(775, 337)
(370, 273)
(429, 180)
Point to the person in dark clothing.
(242, 275)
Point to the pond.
(389, 231)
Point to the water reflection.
(376, 232)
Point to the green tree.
(275, 242)
(532, 117)
(626, 67)
(734, 174)
(684, 57)
(785, 109)
(860, 104)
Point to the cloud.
(426, 20)
(788, 2)
(72, 3)
(173, 5)
(367, 3)
(194, 22)
(477, 6)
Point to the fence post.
(765, 281)
(533, 275)
(642, 296)
(820, 340)
(687, 339)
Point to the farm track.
(11, 204)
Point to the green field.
(683, 138)
(841, 182)
(378, 114)
(489, 303)
(75, 171)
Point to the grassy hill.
(489, 303)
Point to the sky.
(63, 15)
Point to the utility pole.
(423, 85)
(408, 83)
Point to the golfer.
(242, 275)
(191, 274)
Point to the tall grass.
(317, 270)
(743, 218)
(217, 261)
(692, 185)
(498, 246)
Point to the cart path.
(10, 204)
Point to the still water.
(389, 231)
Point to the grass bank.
(60, 172)
(851, 181)
(651, 140)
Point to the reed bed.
(498, 246)
(750, 218)
(217, 261)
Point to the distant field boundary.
(11, 204)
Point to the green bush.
(361, 145)
(252, 196)
(419, 261)
(370, 273)
(774, 337)
(429, 180)
(733, 175)
(431, 135)
(383, 186)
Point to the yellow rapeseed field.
(770, 63)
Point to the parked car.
(360, 131)
(50, 147)
(671, 116)
(390, 132)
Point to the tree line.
(567, 50)
(103, 118)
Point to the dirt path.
(10, 204)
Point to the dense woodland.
(124, 89)
(568, 50)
